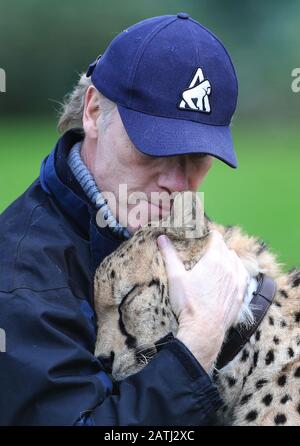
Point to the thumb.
(174, 265)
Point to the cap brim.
(160, 136)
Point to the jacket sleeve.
(49, 375)
(172, 390)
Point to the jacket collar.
(58, 181)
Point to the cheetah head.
(131, 292)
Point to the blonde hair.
(72, 108)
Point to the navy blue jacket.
(50, 246)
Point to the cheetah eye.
(126, 294)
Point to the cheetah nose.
(107, 362)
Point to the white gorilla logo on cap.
(195, 97)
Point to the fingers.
(242, 274)
(174, 265)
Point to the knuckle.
(217, 235)
(190, 306)
(216, 239)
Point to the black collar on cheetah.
(238, 336)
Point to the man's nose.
(174, 176)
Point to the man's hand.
(206, 299)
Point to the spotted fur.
(261, 385)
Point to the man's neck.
(88, 154)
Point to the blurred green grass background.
(262, 195)
(43, 50)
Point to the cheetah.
(261, 384)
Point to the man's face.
(116, 161)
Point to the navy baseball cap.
(174, 85)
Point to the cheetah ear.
(188, 213)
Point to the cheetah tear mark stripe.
(131, 341)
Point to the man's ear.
(91, 112)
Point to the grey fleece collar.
(88, 184)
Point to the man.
(128, 121)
